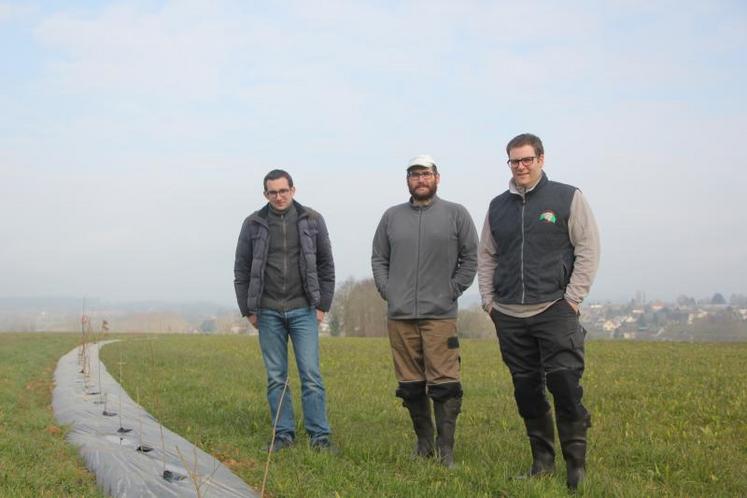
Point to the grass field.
(670, 419)
(35, 461)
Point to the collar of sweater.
(522, 191)
(289, 209)
(423, 205)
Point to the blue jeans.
(274, 329)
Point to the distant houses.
(662, 321)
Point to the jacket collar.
(262, 214)
(434, 200)
(522, 191)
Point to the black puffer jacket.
(316, 263)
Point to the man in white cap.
(424, 256)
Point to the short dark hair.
(526, 139)
(276, 174)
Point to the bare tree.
(358, 310)
(474, 323)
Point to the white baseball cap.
(421, 160)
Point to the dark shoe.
(541, 432)
(324, 444)
(420, 413)
(573, 442)
(446, 412)
(279, 443)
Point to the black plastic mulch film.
(121, 443)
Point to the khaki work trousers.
(425, 350)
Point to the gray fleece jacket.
(423, 258)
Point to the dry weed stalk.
(157, 402)
(272, 441)
(121, 362)
(197, 480)
(139, 417)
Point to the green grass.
(670, 419)
(35, 461)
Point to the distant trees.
(684, 301)
(475, 323)
(358, 310)
(738, 300)
(209, 326)
(156, 321)
(725, 326)
(231, 321)
(718, 298)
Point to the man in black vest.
(538, 255)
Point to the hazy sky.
(134, 135)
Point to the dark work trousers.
(544, 350)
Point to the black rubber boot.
(446, 414)
(573, 442)
(541, 432)
(420, 413)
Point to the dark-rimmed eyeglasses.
(416, 175)
(275, 193)
(524, 161)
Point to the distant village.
(359, 312)
(714, 319)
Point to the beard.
(426, 192)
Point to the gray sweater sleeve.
(380, 256)
(584, 235)
(486, 263)
(467, 262)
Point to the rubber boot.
(541, 432)
(573, 443)
(420, 413)
(446, 414)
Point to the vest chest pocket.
(546, 234)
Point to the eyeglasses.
(275, 193)
(416, 175)
(525, 161)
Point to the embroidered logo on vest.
(548, 216)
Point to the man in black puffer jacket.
(284, 277)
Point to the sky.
(134, 136)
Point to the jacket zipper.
(523, 228)
(285, 257)
(417, 264)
